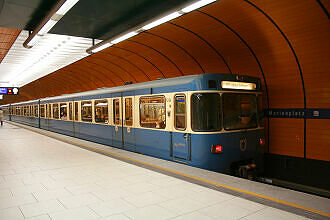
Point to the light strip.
(152, 24)
(33, 41)
(51, 23)
(197, 5)
(67, 5)
(59, 10)
(102, 47)
(102, 104)
(162, 20)
(124, 37)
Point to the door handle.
(185, 136)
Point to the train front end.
(227, 127)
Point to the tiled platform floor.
(42, 178)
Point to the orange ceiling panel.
(7, 38)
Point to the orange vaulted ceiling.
(285, 43)
(7, 38)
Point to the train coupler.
(248, 171)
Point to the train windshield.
(239, 111)
(206, 112)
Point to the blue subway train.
(211, 121)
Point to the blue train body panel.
(232, 152)
(153, 142)
(95, 132)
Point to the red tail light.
(216, 149)
(262, 141)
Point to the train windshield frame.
(240, 111)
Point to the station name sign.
(9, 91)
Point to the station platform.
(45, 175)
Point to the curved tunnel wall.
(285, 43)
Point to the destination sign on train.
(8, 91)
(238, 85)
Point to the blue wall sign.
(8, 91)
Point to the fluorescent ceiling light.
(102, 104)
(49, 21)
(67, 5)
(161, 20)
(102, 47)
(124, 37)
(21, 66)
(197, 5)
(34, 41)
(152, 24)
(47, 27)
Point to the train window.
(116, 112)
(25, 110)
(70, 111)
(240, 111)
(180, 112)
(42, 111)
(55, 111)
(206, 112)
(101, 111)
(36, 111)
(86, 111)
(63, 111)
(128, 112)
(5, 110)
(152, 112)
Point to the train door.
(76, 119)
(128, 130)
(181, 145)
(117, 134)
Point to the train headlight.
(216, 149)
